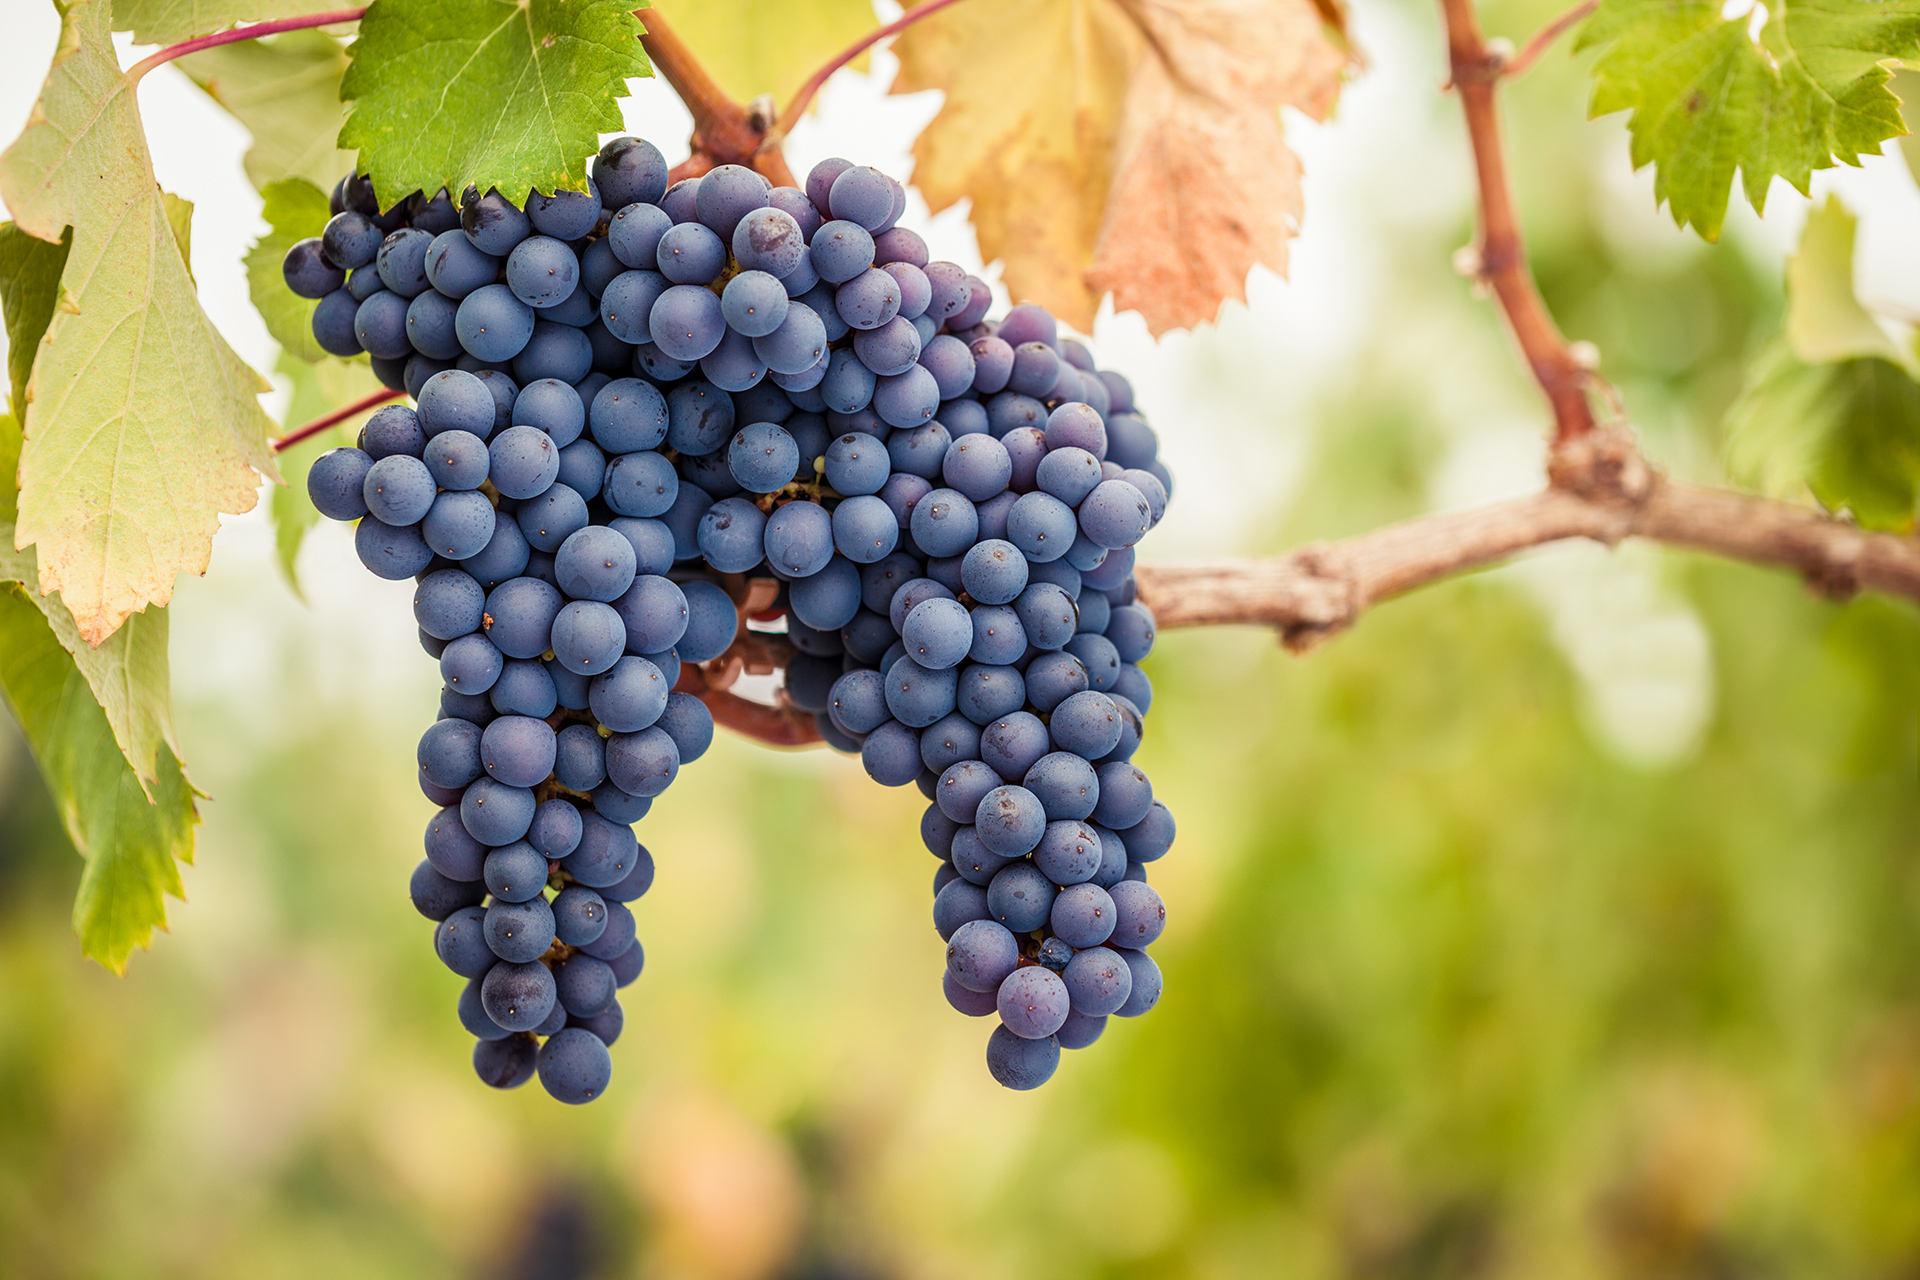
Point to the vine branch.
(724, 132)
(1502, 250)
(252, 32)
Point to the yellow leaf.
(753, 47)
(1825, 321)
(142, 424)
(1131, 146)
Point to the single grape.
(981, 954)
(630, 170)
(515, 873)
(711, 623)
(644, 763)
(506, 1063)
(574, 1066)
(565, 215)
(1147, 984)
(1139, 914)
(1019, 1063)
(1033, 1002)
(461, 944)
(584, 985)
(1083, 915)
(471, 664)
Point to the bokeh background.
(1558, 921)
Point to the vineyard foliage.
(1131, 149)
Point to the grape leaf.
(170, 21)
(1824, 320)
(1124, 145)
(1848, 430)
(29, 288)
(132, 846)
(1708, 95)
(511, 95)
(294, 209)
(286, 90)
(752, 48)
(142, 424)
(317, 389)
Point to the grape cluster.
(632, 402)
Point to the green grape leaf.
(142, 424)
(29, 289)
(1847, 430)
(1710, 96)
(1824, 320)
(286, 90)
(317, 389)
(752, 48)
(132, 846)
(445, 93)
(171, 21)
(294, 209)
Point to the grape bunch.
(635, 408)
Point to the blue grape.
(848, 385)
(430, 331)
(1115, 514)
(975, 1004)
(880, 580)
(916, 696)
(518, 750)
(308, 273)
(389, 552)
(1013, 744)
(457, 460)
(944, 523)
(580, 761)
(690, 254)
(460, 942)
(688, 722)
(1052, 678)
(640, 484)
(449, 753)
(950, 740)
(1139, 914)
(820, 178)
(1151, 837)
(915, 294)
(864, 530)
(840, 250)
(459, 524)
(495, 813)
(1010, 411)
(583, 469)
(909, 597)
(634, 234)
(907, 399)
(992, 364)
(1049, 615)
(898, 244)
(1060, 574)
(630, 170)
(1126, 796)
(627, 306)
(456, 268)
(525, 462)
(519, 617)
(763, 457)
(1026, 447)
(728, 193)
(398, 490)
(1067, 788)
(492, 324)
(972, 860)
(862, 195)
(978, 466)
(938, 633)
(524, 689)
(700, 418)
(550, 519)
(796, 345)
(555, 829)
(655, 613)
(799, 542)
(1036, 367)
(452, 852)
(987, 693)
(557, 351)
(642, 764)
(492, 222)
(964, 418)
(859, 702)
(552, 406)
(1111, 575)
(755, 304)
(891, 754)
(652, 543)
(1018, 1063)
(686, 322)
(1083, 915)
(515, 873)
(470, 664)
(517, 995)
(1146, 987)
(1069, 474)
(891, 349)
(629, 697)
(866, 638)
(809, 679)
(333, 324)
(542, 272)
(417, 370)
(574, 1066)
(769, 240)
(335, 482)
(606, 853)
(349, 240)
(869, 300)
(981, 954)
(473, 1016)
(1033, 1002)
(1041, 526)
(632, 885)
(380, 326)
(584, 985)
(830, 597)
(1101, 660)
(588, 637)
(595, 563)
(1086, 723)
(962, 787)
(436, 897)
(448, 604)
(1130, 441)
(958, 903)
(994, 572)
(1010, 821)
(1079, 1030)
(920, 451)
(565, 215)
(711, 623)
(857, 464)
(1095, 613)
(1099, 981)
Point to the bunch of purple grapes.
(631, 399)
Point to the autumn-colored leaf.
(142, 424)
(1131, 146)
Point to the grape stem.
(803, 98)
(1500, 259)
(1543, 39)
(252, 32)
(336, 417)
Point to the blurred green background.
(1559, 921)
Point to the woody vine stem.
(1599, 487)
